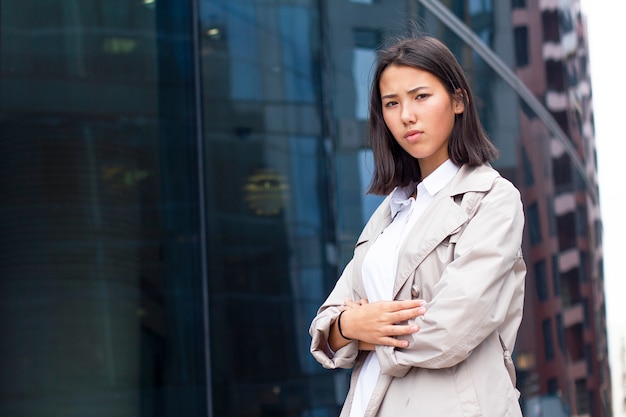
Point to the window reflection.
(270, 237)
(101, 313)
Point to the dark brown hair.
(468, 143)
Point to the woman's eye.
(421, 96)
(390, 104)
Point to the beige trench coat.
(464, 256)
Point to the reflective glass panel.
(269, 225)
(100, 285)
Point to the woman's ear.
(459, 101)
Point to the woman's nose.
(408, 115)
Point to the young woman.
(428, 309)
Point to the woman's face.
(419, 112)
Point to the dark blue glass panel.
(100, 284)
(269, 215)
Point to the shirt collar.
(432, 184)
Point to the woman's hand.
(376, 323)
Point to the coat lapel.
(441, 219)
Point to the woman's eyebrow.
(411, 91)
(416, 89)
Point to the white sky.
(607, 48)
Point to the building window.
(600, 266)
(556, 275)
(553, 386)
(566, 226)
(582, 397)
(551, 216)
(363, 58)
(570, 288)
(589, 357)
(534, 224)
(562, 173)
(566, 19)
(518, 4)
(548, 344)
(529, 178)
(520, 35)
(574, 342)
(597, 226)
(369, 202)
(541, 283)
(550, 23)
(581, 221)
(560, 333)
(555, 75)
(584, 270)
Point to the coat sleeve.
(326, 316)
(479, 292)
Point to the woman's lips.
(412, 134)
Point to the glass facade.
(101, 249)
(166, 228)
(270, 231)
(183, 181)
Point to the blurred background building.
(181, 182)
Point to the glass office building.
(183, 181)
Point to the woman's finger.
(398, 305)
(408, 314)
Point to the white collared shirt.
(380, 263)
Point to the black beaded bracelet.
(339, 325)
